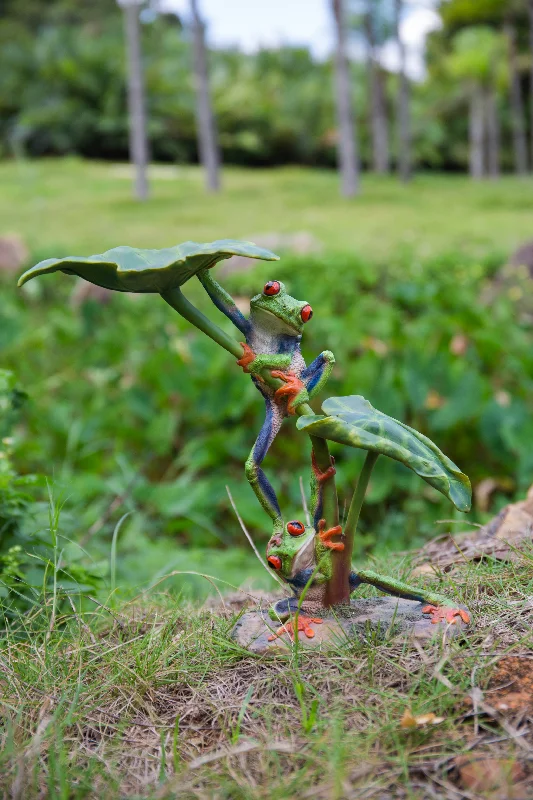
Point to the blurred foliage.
(62, 90)
(129, 409)
(31, 556)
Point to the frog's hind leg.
(437, 606)
(255, 475)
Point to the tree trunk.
(347, 142)
(477, 129)
(517, 106)
(403, 121)
(136, 108)
(378, 114)
(530, 9)
(493, 133)
(205, 120)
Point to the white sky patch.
(252, 24)
(413, 30)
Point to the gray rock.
(361, 619)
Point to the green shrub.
(35, 560)
(127, 401)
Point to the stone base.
(360, 619)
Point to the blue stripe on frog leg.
(316, 375)
(255, 475)
(224, 301)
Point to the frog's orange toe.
(292, 386)
(446, 614)
(247, 357)
(325, 536)
(304, 624)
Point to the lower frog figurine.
(302, 557)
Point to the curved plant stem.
(357, 501)
(178, 301)
(338, 588)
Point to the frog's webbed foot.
(247, 357)
(304, 624)
(322, 477)
(325, 536)
(446, 614)
(293, 389)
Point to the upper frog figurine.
(273, 333)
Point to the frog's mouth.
(276, 324)
(304, 558)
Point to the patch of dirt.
(511, 686)
(496, 778)
(498, 539)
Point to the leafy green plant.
(35, 559)
(275, 325)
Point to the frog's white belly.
(262, 342)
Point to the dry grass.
(155, 701)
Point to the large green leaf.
(353, 421)
(128, 269)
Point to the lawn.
(116, 681)
(63, 206)
(151, 699)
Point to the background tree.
(403, 121)
(517, 102)
(530, 12)
(476, 60)
(136, 102)
(205, 119)
(347, 144)
(377, 28)
(509, 16)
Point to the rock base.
(361, 619)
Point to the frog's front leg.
(223, 301)
(438, 606)
(253, 364)
(293, 391)
(316, 375)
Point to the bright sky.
(251, 24)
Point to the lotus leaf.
(129, 269)
(353, 421)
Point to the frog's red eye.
(271, 288)
(295, 528)
(306, 313)
(274, 562)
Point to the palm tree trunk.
(477, 128)
(517, 105)
(378, 114)
(136, 108)
(205, 120)
(347, 141)
(530, 9)
(403, 121)
(493, 133)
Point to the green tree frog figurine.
(273, 333)
(302, 556)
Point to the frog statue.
(302, 557)
(313, 559)
(273, 334)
